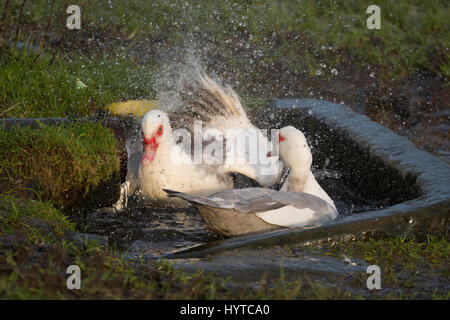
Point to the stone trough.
(409, 187)
(382, 184)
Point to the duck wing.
(209, 100)
(220, 108)
(224, 199)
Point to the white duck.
(297, 156)
(165, 164)
(220, 109)
(303, 202)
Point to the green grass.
(32, 221)
(413, 35)
(301, 37)
(58, 162)
(409, 254)
(46, 87)
(404, 263)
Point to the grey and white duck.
(300, 202)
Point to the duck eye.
(160, 129)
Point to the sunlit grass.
(413, 33)
(46, 87)
(429, 254)
(301, 36)
(401, 261)
(60, 162)
(26, 218)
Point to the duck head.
(156, 130)
(294, 149)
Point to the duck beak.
(150, 147)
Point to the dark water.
(144, 229)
